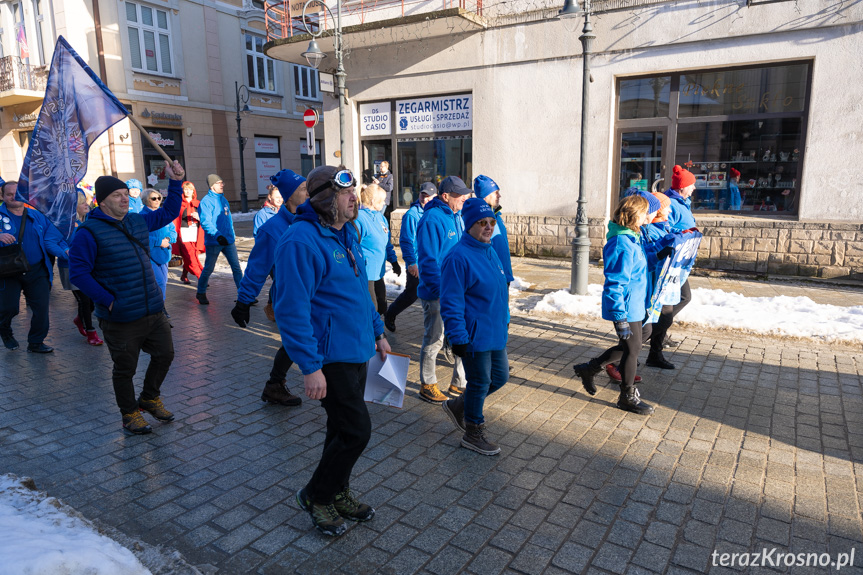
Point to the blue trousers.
(37, 291)
(230, 253)
(161, 273)
(486, 372)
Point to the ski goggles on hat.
(341, 180)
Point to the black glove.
(240, 313)
(459, 349)
(223, 241)
(622, 329)
(397, 269)
(664, 252)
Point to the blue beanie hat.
(133, 183)
(652, 201)
(483, 186)
(474, 210)
(287, 182)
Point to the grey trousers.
(432, 344)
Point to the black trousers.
(85, 309)
(349, 428)
(125, 341)
(37, 291)
(381, 296)
(666, 318)
(281, 364)
(626, 352)
(405, 299)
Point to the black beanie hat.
(107, 185)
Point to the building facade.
(183, 68)
(759, 87)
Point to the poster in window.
(266, 167)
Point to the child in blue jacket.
(624, 298)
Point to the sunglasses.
(156, 199)
(341, 180)
(487, 223)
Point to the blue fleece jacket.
(158, 254)
(263, 255)
(500, 243)
(263, 215)
(135, 205)
(375, 240)
(327, 315)
(408, 233)
(625, 291)
(40, 239)
(215, 213)
(83, 254)
(681, 217)
(438, 231)
(474, 301)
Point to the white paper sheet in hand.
(385, 382)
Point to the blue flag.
(674, 273)
(77, 109)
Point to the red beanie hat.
(681, 178)
(735, 173)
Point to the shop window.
(644, 98)
(306, 83)
(261, 70)
(171, 141)
(431, 160)
(149, 38)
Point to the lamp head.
(314, 55)
(246, 109)
(571, 9)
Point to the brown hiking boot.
(155, 408)
(454, 408)
(454, 390)
(350, 508)
(276, 392)
(475, 440)
(432, 394)
(135, 424)
(268, 311)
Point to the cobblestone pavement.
(756, 442)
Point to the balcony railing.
(15, 74)
(285, 17)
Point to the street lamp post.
(581, 242)
(314, 56)
(243, 98)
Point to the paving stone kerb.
(756, 442)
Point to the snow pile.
(45, 537)
(518, 285)
(717, 309)
(395, 284)
(241, 217)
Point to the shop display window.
(431, 160)
(644, 98)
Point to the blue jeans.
(486, 372)
(230, 253)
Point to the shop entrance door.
(375, 152)
(641, 160)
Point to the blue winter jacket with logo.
(408, 233)
(375, 239)
(327, 316)
(500, 243)
(474, 301)
(41, 238)
(158, 254)
(625, 291)
(262, 217)
(263, 255)
(439, 230)
(215, 213)
(681, 217)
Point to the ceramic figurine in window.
(766, 156)
(783, 156)
(795, 155)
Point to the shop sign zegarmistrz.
(436, 114)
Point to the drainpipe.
(97, 21)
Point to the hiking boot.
(454, 390)
(432, 394)
(348, 507)
(587, 371)
(454, 408)
(93, 338)
(276, 392)
(268, 311)
(10, 342)
(80, 325)
(390, 323)
(669, 343)
(324, 517)
(614, 373)
(135, 424)
(39, 348)
(155, 408)
(475, 440)
(658, 360)
(630, 400)
(202, 298)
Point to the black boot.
(656, 359)
(586, 371)
(630, 400)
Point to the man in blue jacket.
(260, 266)
(215, 212)
(110, 262)
(439, 230)
(330, 328)
(39, 240)
(408, 244)
(486, 189)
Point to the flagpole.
(150, 139)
